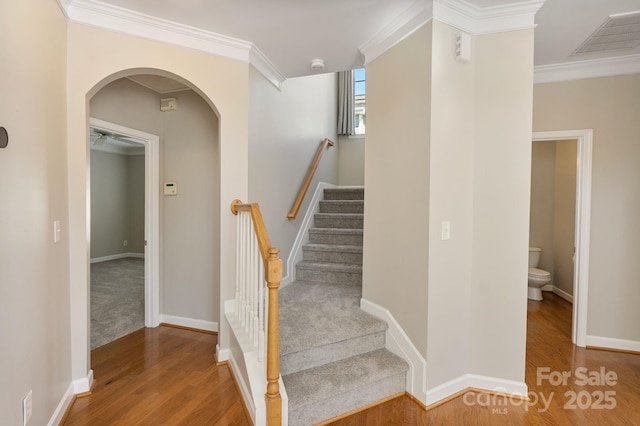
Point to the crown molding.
(487, 20)
(118, 19)
(418, 14)
(264, 66)
(592, 68)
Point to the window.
(360, 91)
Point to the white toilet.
(538, 278)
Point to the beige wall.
(223, 82)
(450, 199)
(396, 225)
(611, 107)
(117, 202)
(541, 217)
(553, 208)
(351, 160)
(34, 272)
(564, 219)
(189, 234)
(136, 169)
(286, 129)
(501, 184)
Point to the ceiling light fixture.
(317, 64)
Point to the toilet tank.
(534, 256)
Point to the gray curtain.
(346, 104)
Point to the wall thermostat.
(170, 188)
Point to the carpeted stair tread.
(344, 194)
(339, 220)
(317, 314)
(334, 247)
(313, 393)
(333, 267)
(342, 206)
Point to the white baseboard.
(222, 355)
(116, 257)
(84, 384)
(302, 238)
(189, 322)
(468, 381)
(63, 406)
(244, 388)
(399, 343)
(566, 296)
(610, 343)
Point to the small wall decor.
(4, 137)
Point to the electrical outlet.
(125, 243)
(27, 408)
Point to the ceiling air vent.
(618, 32)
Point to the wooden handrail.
(273, 276)
(305, 185)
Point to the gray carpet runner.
(333, 358)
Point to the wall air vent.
(618, 32)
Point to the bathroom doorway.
(584, 139)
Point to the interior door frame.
(151, 215)
(582, 225)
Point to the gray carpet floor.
(117, 299)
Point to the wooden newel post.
(273, 273)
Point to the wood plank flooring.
(159, 376)
(167, 376)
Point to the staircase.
(332, 354)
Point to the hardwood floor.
(159, 376)
(167, 376)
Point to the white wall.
(396, 225)
(286, 128)
(351, 160)
(223, 82)
(117, 202)
(611, 107)
(189, 235)
(34, 272)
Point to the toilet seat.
(539, 273)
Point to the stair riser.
(348, 401)
(338, 222)
(340, 239)
(334, 277)
(332, 256)
(342, 207)
(344, 194)
(313, 357)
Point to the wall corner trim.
(399, 343)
